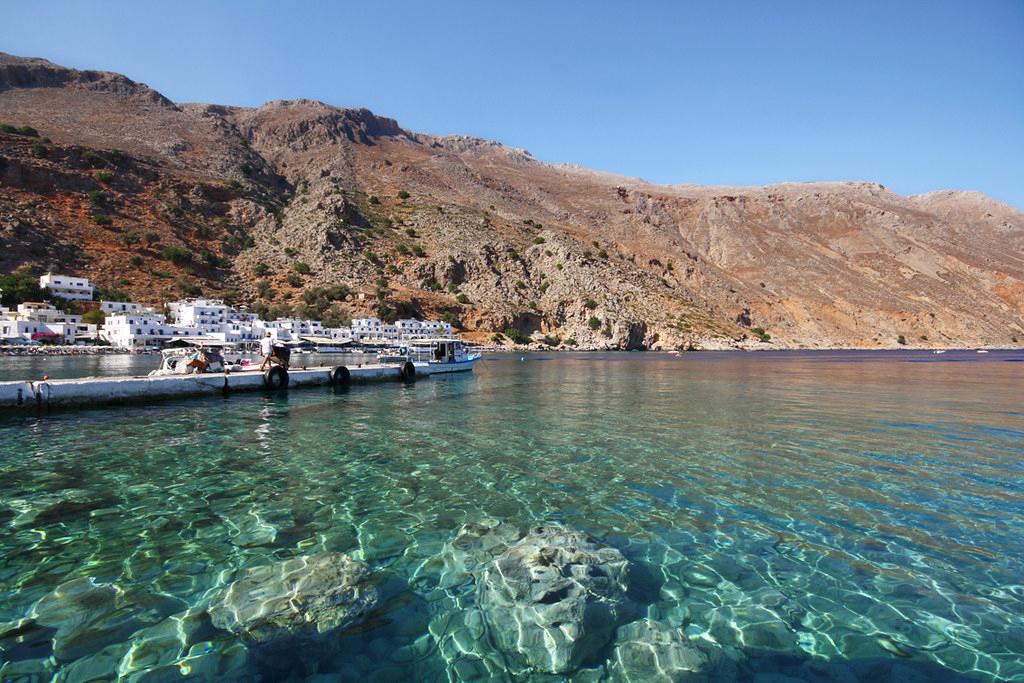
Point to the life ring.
(276, 378)
(341, 376)
(408, 371)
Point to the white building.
(137, 326)
(373, 331)
(200, 312)
(111, 307)
(43, 312)
(129, 331)
(409, 330)
(67, 286)
(290, 329)
(38, 321)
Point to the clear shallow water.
(824, 516)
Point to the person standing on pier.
(267, 350)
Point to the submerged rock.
(301, 596)
(554, 598)
(653, 651)
(87, 616)
(475, 544)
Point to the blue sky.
(917, 95)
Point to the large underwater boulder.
(303, 596)
(554, 598)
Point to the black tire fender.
(408, 371)
(341, 376)
(276, 378)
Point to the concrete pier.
(97, 391)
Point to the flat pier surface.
(88, 391)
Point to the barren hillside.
(278, 206)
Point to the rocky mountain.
(302, 207)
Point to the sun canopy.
(196, 341)
(325, 341)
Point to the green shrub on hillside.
(102, 219)
(402, 194)
(462, 299)
(418, 251)
(27, 131)
(301, 267)
(539, 240)
(19, 287)
(901, 340)
(516, 336)
(40, 150)
(177, 255)
(94, 317)
(594, 323)
(93, 159)
(188, 287)
(260, 269)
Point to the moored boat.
(432, 356)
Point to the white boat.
(433, 356)
(200, 360)
(938, 351)
(982, 351)
(447, 355)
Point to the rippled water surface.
(819, 516)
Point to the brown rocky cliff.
(277, 201)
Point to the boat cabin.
(445, 350)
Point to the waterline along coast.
(683, 344)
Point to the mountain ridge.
(481, 233)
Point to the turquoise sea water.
(822, 516)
